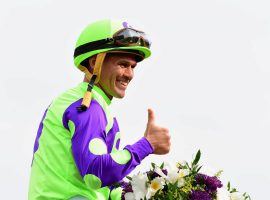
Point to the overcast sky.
(207, 81)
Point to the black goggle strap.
(106, 43)
(91, 46)
(94, 79)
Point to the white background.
(207, 81)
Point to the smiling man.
(117, 72)
(76, 151)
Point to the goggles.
(131, 37)
(123, 38)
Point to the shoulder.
(93, 115)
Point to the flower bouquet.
(182, 181)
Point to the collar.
(98, 94)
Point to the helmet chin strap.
(93, 80)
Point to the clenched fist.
(157, 136)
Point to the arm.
(97, 166)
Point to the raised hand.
(157, 136)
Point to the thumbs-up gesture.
(157, 136)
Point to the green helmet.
(101, 32)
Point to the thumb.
(151, 116)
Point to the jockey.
(76, 151)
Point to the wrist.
(150, 144)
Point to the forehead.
(122, 56)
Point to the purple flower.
(126, 188)
(211, 182)
(199, 195)
(165, 172)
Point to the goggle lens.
(131, 37)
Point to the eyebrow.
(127, 62)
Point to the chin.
(119, 95)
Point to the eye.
(124, 64)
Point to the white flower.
(183, 172)
(172, 172)
(175, 176)
(155, 185)
(223, 194)
(129, 196)
(181, 182)
(236, 196)
(170, 167)
(160, 172)
(138, 184)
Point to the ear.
(92, 61)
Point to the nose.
(129, 72)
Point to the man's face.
(116, 74)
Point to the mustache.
(124, 79)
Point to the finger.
(151, 116)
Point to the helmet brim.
(142, 54)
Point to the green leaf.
(218, 174)
(229, 186)
(129, 178)
(162, 165)
(153, 165)
(234, 190)
(197, 158)
(188, 166)
(198, 169)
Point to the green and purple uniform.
(76, 154)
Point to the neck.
(109, 96)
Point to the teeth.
(124, 83)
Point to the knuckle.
(166, 148)
(165, 130)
